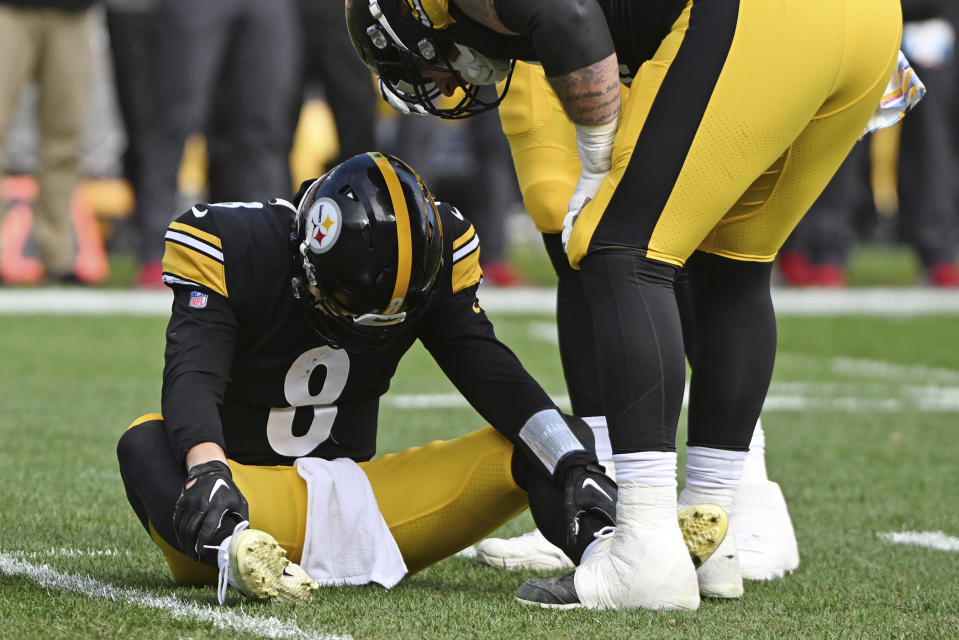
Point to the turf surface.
(861, 434)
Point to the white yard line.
(791, 396)
(223, 618)
(929, 539)
(879, 301)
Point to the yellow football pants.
(799, 80)
(436, 500)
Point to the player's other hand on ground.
(588, 491)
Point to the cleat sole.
(704, 527)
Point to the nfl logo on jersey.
(198, 300)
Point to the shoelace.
(223, 561)
(605, 532)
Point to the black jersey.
(244, 369)
(637, 29)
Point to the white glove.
(595, 147)
(398, 103)
(586, 187)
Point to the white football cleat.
(252, 562)
(704, 527)
(764, 532)
(720, 575)
(529, 551)
(647, 563)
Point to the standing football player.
(289, 320)
(738, 114)
(543, 145)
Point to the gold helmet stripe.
(404, 248)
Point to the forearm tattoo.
(590, 95)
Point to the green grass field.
(861, 430)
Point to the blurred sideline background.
(103, 205)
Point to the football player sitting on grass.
(288, 321)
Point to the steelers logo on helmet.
(324, 222)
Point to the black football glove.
(587, 491)
(212, 501)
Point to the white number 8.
(296, 388)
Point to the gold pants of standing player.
(733, 174)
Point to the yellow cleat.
(704, 527)
(257, 567)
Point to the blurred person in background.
(239, 60)
(128, 25)
(331, 69)
(49, 42)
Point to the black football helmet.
(398, 46)
(367, 248)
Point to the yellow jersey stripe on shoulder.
(197, 233)
(468, 235)
(187, 262)
(146, 418)
(466, 266)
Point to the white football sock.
(604, 450)
(649, 468)
(712, 475)
(754, 468)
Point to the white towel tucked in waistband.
(347, 540)
(904, 90)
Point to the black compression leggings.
(639, 348)
(733, 350)
(731, 343)
(574, 325)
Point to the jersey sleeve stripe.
(403, 235)
(185, 262)
(467, 236)
(466, 271)
(465, 250)
(197, 233)
(182, 238)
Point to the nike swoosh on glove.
(212, 502)
(587, 490)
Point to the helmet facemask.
(380, 39)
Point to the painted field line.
(902, 301)
(786, 396)
(929, 539)
(223, 618)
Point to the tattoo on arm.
(590, 95)
(483, 12)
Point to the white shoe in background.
(528, 551)
(765, 538)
